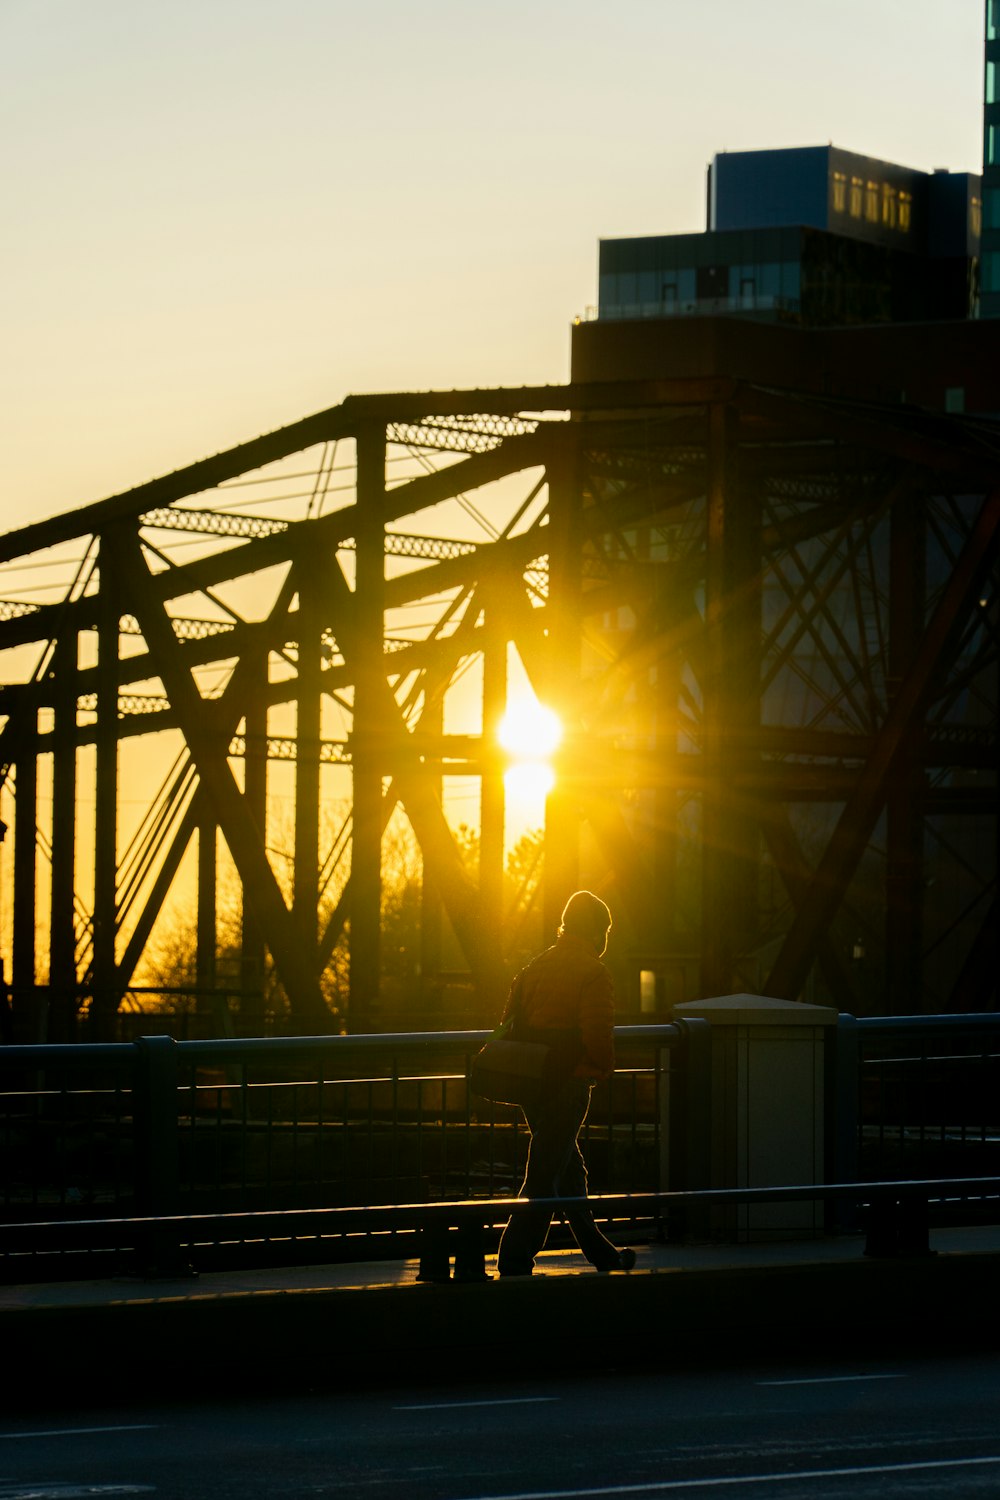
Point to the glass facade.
(682, 275)
(990, 273)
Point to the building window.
(888, 206)
(857, 193)
(976, 217)
(770, 281)
(991, 153)
(791, 280)
(712, 283)
(905, 211)
(992, 20)
(670, 295)
(990, 271)
(748, 291)
(839, 192)
(871, 202)
(991, 208)
(991, 82)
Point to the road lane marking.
(74, 1491)
(832, 1379)
(457, 1405)
(663, 1486)
(83, 1431)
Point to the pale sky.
(222, 215)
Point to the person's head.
(586, 916)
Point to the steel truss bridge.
(767, 621)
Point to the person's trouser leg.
(572, 1183)
(555, 1168)
(527, 1227)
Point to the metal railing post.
(689, 1119)
(843, 1120)
(157, 1139)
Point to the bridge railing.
(924, 1092)
(247, 1131)
(157, 1128)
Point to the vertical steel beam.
(252, 950)
(305, 897)
(62, 916)
(491, 833)
(731, 687)
(368, 740)
(431, 906)
(207, 913)
(431, 729)
(28, 1017)
(561, 874)
(104, 1000)
(661, 935)
(904, 820)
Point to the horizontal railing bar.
(76, 1054)
(409, 1041)
(966, 1021)
(281, 1223)
(262, 1049)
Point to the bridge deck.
(274, 1329)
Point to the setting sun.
(529, 731)
(530, 734)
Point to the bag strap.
(513, 1009)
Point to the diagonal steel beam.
(927, 439)
(208, 747)
(206, 474)
(850, 836)
(169, 866)
(229, 709)
(976, 986)
(637, 396)
(793, 868)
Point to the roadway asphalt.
(324, 1326)
(918, 1428)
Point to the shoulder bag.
(508, 1071)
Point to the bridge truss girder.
(768, 624)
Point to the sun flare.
(529, 782)
(530, 734)
(529, 731)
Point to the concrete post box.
(767, 1114)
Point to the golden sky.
(220, 215)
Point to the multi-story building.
(839, 318)
(811, 237)
(990, 298)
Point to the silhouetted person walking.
(564, 997)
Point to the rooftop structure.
(812, 236)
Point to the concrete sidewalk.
(327, 1325)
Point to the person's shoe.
(515, 1268)
(624, 1261)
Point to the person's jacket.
(568, 990)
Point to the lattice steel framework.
(767, 622)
